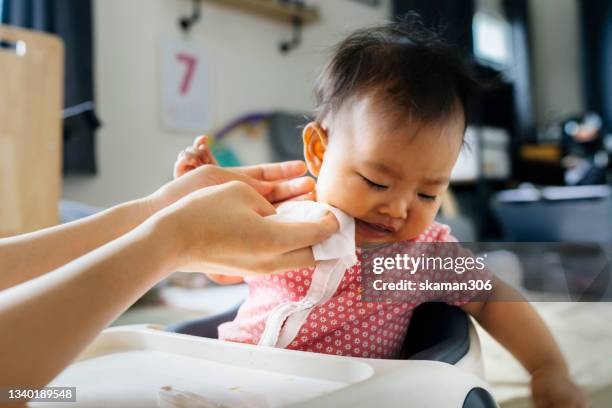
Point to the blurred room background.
(543, 122)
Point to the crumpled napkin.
(341, 245)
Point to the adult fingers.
(290, 189)
(304, 197)
(223, 175)
(249, 195)
(275, 171)
(296, 235)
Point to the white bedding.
(584, 332)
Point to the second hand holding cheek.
(290, 189)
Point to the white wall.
(135, 154)
(556, 61)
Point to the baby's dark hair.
(409, 66)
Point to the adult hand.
(100, 265)
(223, 229)
(277, 182)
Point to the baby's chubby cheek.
(336, 192)
(415, 225)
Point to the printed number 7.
(190, 63)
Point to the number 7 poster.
(185, 87)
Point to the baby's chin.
(361, 241)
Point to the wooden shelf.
(274, 9)
(550, 153)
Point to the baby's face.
(389, 179)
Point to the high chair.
(438, 332)
(146, 365)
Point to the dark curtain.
(518, 16)
(451, 18)
(596, 28)
(72, 21)
(454, 19)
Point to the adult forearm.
(46, 322)
(27, 256)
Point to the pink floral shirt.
(345, 325)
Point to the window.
(492, 39)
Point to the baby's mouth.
(370, 230)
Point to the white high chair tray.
(129, 365)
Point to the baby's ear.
(315, 144)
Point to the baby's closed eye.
(372, 184)
(427, 197)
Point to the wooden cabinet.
(31, 93)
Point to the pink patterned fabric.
(345, 325)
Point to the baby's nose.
(397, 208)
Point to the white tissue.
(334, 256)
(340, 245)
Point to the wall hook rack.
(186, 22)
(296, 38)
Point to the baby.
(390, 120)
